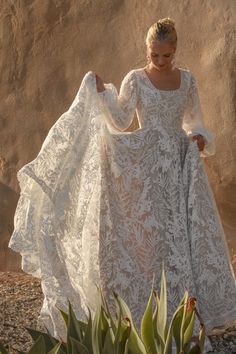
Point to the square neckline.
(157, 89)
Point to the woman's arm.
(193, 122)
(122, 106)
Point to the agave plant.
(105, 334)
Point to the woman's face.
(161, 55)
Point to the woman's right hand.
(100, 84)
(200, 141)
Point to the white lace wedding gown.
(102, 206)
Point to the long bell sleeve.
(121, 107)
(193, 122)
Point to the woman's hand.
(200, 141)
(100, 84)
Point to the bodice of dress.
(158, 107)
(174, 111)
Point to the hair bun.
(163, 29)
(167, 21)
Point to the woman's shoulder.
(186, 72)
(189, 73)
(131, 77)
(135, 72)
(188, 77)
(130, 74)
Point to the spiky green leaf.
(96, 332)
(56, 349)
(183, 321)
(189, 330)
(105, 324)
(177, 325)
(38, 347)
(64, 315)
(87, 340)
(108, 347)
(147, 330)
(168, 343)
(77, 347)
(50, 341)
(202, 336)
(162, 311)
(73, 328)
(159, 342)
(122, 335)
(107, 310)
(135, 343)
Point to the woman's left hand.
(200, 141)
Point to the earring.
(173, 61)
(148, 60)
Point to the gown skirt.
(100, 207)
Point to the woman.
(102, 206)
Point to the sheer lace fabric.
(102, 206)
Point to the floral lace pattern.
(100, 206)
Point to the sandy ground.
(20, 303)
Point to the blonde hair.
(162, 30)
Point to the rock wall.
(47, 47)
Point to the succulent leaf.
(77, 347)
(162, 312)
(50, 341)
(122, 334)
(38, 347)
(87, 340)
(108, 347)
(73, 328)
(189, 330)
(135, 343)
(147, 330)
(96, 332)
(177, 323)
(55, 350)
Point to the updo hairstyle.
(162, 30)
